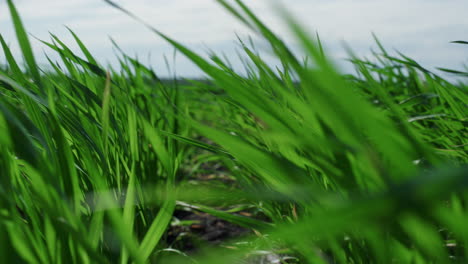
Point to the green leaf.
(25, 45)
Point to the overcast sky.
(422, 29)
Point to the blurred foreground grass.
(332, 168)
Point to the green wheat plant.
(367, 167)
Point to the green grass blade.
(83, 48)
(25, 45)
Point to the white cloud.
(420, 28)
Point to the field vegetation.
(297, 163)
